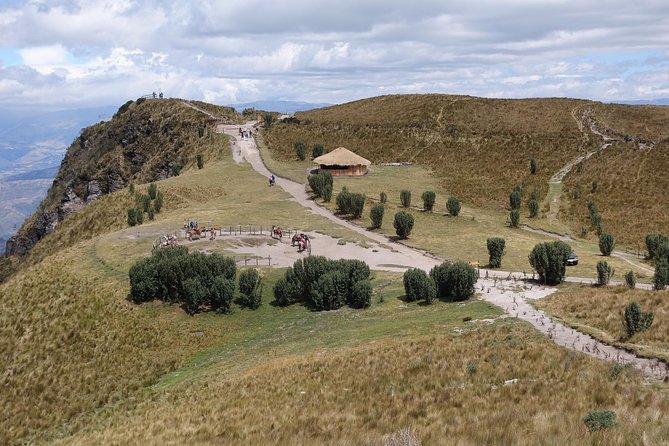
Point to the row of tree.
(448, 281)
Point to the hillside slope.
(481, 148)
(145, 141)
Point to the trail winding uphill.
(504, 289)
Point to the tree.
(496, 247)
(267, 120)
(327, 193)
(376, 215)
(606, 244)
(515, 198)
(461, 280)
(383, 197)
(250, 288)
(153, 189)
(405, 198)
(661, 276)
(403, 224)
(654, 242)
(514, 217)
(417, 286)
(221, 294)
(453, 206)
(630, 279)
(300, 150)
(357, 204)
(635, 320)
(200, 161)
(361, 294)
(549, 260)
(428, 200)
(195, 295)
(604, 273)
(140, 216)
(533, 166)
(317, 150)
(533, 206)
(132, 216)
(344, 201)
(158, 204)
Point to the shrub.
(140, 216)
(403, 224)
(287, 290)
(319, 182)
(317, 150)
(417, 285)
(267, 120)
(461, 280)
(599, 419)
(200, 134)
(300, 150)
(361, 294)
(453, 206)
(250, 288)
(143, 285)
(357, 204)
(604, 272)
(606, 244)
(327, 193)
(496, 247)
(376, 215)
(515, 198)
(405, 198)
(661, 276)
(152, 191)
(630, 279)
(194, 295)
(330, 291)
(132, 216)
(549, 260)
(533, 206)
(200, 161)
(533, 166)
(428, 200)
(158, 204)
(635, 320)
(151, 213)
(594, 186)
(145, 202)
(514, 218)
(654, 243)
(221, 294)
(344, 201)
(383, 197)
(439, 274)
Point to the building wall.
(337, 171)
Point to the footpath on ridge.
(505, 289)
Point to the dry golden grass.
(648, 122)
(358, 395)
(599, 311)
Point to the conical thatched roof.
(341, 157)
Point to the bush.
(599, 420)
(533, 166)
(319, 182)
(439, 274)
(200, 161)
(151, 213)
(132, 216)
(327, 193)
(515, 199)
(461, 280)
(403, 224)
(200, 134)
(654, 242)
(146, 202)
(383, 197)
(287, 290)
(533, 206)
(453, 206)
(594, 186)
(630, 279)
(606, 244)
(268, 120)
(428, 200)
(496, 247)
(604, 272)
(376, 215)
(250, 288)
(344, 201)
(158, 204)
(194, 295)
(143, 284)
(417, 286)
(357, 204)
(153, 189)
(549, 260)
(361, 294)
(317, 150)
(514, 218)
(139, 215)
(405, 198)
(635, 320)
(300, 150)
(661, 276)
(221, 294)
(330, 291)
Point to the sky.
(75, 53)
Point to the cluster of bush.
(151, 204)
(321, 184)
(325, 284)
(549, 260)
(429, 198)
(448, 281)
(658, 252)
(350, 203)
(595, 217)
(635, 320)
(196, 281)
(301, 150)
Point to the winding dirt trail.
(507, 290)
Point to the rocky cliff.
(146, 140)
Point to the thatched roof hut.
(342, 161)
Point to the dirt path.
(504, 289)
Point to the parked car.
(572, 259)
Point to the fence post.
(269, 260)
(257, 259)
(245, 259)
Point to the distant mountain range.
(661, 101)
(279, 106)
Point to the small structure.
(342, 161)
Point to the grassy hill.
(479, 149)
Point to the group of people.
(272, 180)
(244, 133)
(160, 95)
